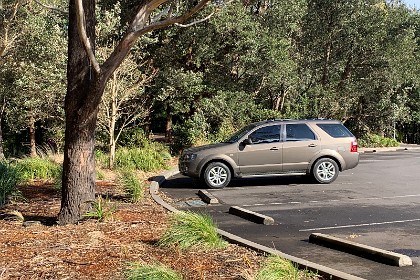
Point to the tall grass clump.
(151, 272)
(38, 168)
(9, 178)
(150, 158)
(192, 230)
(278, 268)
(132, 185)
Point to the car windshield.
(241, 133)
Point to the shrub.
(132, 185)
(190, 133)
(151, 272)
(9, 178)
(374, 140)
(189, 229)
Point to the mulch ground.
(37, 248)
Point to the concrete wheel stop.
(372, 253)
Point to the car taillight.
(353, 147)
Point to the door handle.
(274, 149)
(311, 145)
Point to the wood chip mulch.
(37, 248)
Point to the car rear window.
(336, 130)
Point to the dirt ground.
(36, 248)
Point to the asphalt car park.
(376, 204)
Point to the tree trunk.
(2, 107)
(168, 128)
(84, 92)
(112, 122)
(32, 142)
(1, 142)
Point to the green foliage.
(101, 158)
(132, 185)
(189, 229)
(191, 132)
(374, 141)
(277, 268)
(9, 178)
(38, 168)
(134, 138)
(139, 271)
(101, 210)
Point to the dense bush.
(373, 140)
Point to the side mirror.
(247, 141)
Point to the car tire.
(325, 170)
(217, 175)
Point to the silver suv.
(317, 147)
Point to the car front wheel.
(217, 175)
(325, 171)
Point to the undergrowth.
(374, 141)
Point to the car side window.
(299, 132)
(266, 134)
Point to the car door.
(300, 145)
(263, 152)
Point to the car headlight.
(190, 157)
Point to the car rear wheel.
(217, 175)
(325, 171)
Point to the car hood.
(205, 147)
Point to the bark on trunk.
(84, 92)
(32, 141)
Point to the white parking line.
(360, 225)
(332, 200)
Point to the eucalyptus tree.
(125, 103)
(32, 60)
(354, 54)
(86, 80)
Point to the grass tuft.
(132, 185)
(278, 268)
(101, 210)
(192, 230)
(151, 272)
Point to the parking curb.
(251, 215)
(365, 251)
(329, 273)
(207, 197)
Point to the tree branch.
(51, 8)
(140, 27)
(197, 21)
(81, 26)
